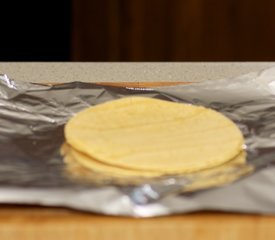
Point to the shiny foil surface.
(32, 171)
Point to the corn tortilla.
(148, 134)
(99, 167)
(82, 167)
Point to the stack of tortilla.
(138, 137)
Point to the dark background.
(35, 30)
(137, 30)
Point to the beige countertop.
(127, 72)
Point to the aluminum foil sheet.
(32, 117)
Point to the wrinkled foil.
(32, 117)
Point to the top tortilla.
(150, 134)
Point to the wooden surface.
(173, 30)
(34, 223)
(25, 222)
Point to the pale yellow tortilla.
(81, 166)
(220, 175)
(154, 135)
(99, 167)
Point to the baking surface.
(56, 223)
